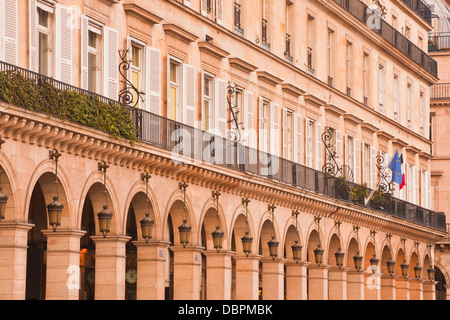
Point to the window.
(93, 61)
(366, 163)
(365, 78)
(207, 108)
(310, 41)
(350, 158)
(382, 88)
(422, 114)
(174, 106)
(349, 67)
(44, 40)
(264, 129)
(289, 37)
(310, 142)
(137, 63)
(409, 106)
(289, 136)
(330, 56)
(237, 18)
(264, 27)
(396, 98)
(212, 9)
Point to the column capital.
(111, 238)
(214, 253)
(187, 248)
(63, 233)
(316, 267)
(250, 257)
(276, 260)
(152, 243)
(16, 225)
(291, 263)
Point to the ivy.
(67, 105)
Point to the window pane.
(92, 39)
(92, 71)
(43, 54)
(173, 72)
(135, 56)
(43, 17)
(172, 113)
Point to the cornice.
(179, 33)
(313, 100)
(209, 48)
(133, 9)
(292, 89)
(268, 78)
(238, 63)
(331, 108)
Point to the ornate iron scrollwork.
(331, 166)
(129, 95)
(235, 134)
(385, 185)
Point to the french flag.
(403, 173)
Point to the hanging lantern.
(357, 260)
(374, 263)
(247, 241)
(431, 273)
(318, 255)
(339, 258)
(3, 201)
(104, 220)
(405, 268)
(417, 271)
(296, 251)
(147, 227)
(391, 266)
(55, 209)
(217, 236)
(273, 247)
(185, 233)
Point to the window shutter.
(33, 36)
(188, 95)
(219, 12)
(285, 134)
(204, 8)
(262, 131)
(346, 151)
(247, 134)
(339, 147)
(416, 185)
(298, 151)
(10, 31)
(275, 129)
(63, 45)
(110, 63)
(409, 183)
(357, 157)
(373, 167)
(153, 80)
(428, 190)
(187, 3)
(319, 147)
(220, 107)
(423, 193)
(309, 143)
(84, 52)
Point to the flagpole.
(378, 183)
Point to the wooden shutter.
(219, 11)
(63, 44)
(204, 7)
(409, 183)
(416, 185)
(262, 130)
(422, 189)
(10, 32)
(309, 143)
(339, 147)
(188, 95)
(285, 135)
(275, 129)
(318, 147)
(298, 151)
(220, 107)
(84, 53)
(373, 167)
(33, 36)
(428, 190)
(357, 157)
(110, 63)
(248, 133)
(153, 80)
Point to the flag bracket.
(384, 185)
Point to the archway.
(441, 285)
(268, 269)
(352, 251)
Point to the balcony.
(439, 41)
(196, 144)
(363, 13)
(440, 91)
(421, 8)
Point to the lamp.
(318, 255)
(247, 240)
(431, 273)
(391, 266)
(374, 263)
(417, 271)
(357, 260)
(217, 234)
(3, 197)
(104, 216)
(273, 244)
(55, 208)
(405, 268)
(339, 258)
(296, 247)
(185, 228)
(147, 223)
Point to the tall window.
(265, 126)
(94, 39)
(409, 105)
(264, 27)
(381, 87)
(136, 68)
(174, 107)
(237, 18)
(350, 154)
(288, 52)
(396, 98)
(44, 40)
(310, 41)
(349, 67)
(365, 77)
(207, 109)
(330, 56)
(422, 114)
(289, 136)
(366, 163)
(310, 142)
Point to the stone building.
(267, 119)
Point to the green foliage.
(359, 193)
(67, 105)
(380, 199)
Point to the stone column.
(151, 259)
(372, 286)
(429, 290)
(187, 272)
(63, 264)
(110, 266)
(388, 291)
(416, 289)
(403, 288)
(355, 285)
(296, 280)
(318, 282)
(13, 259)
(273, 279)
(337, 283)
(218, 275)
(247, 277)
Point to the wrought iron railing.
(421, 8)
(364, 14)
(439, 41)
(264, 31)
(193, 144)
(440, 91)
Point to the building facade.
(292, 112)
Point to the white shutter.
(10, 31)
(33, 36)
(428, 190)
(423, 192)
(416, 184)
(339, 148)
(309, 143)
(373, 167)
(187, 3)
(275, 129)
(285, 134)
(298, 150)
(409, 184)
(63, 44)
(346, 151)
(262, 129)
(248, 133)
(220, 107)
(357, 157)
(153, 80)
(318, 147)
(84, 53)
(204, 7)
(110, 63)
(219, 12)
(188, 95)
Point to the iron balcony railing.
(439, 41)
(364, 14)
(440, 91)
(198, 145)
(421, 8)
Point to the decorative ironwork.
(233, 135)
(385, 185)
(129, 95)
(331, 166)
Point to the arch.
(369, 252)
(413, 261)
(291, 233)
(267, 229)
(208, 220)
(11, 188)
(400, 259)
(386, 254)
(334, 245)
(238, 228)
(352, 250)
(313, 239)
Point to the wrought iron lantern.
(431, 273)
(3, 197)
(391, 266)
(273, 244)
(184, 229)
(357, 260)
(296, 251)
(147, 223)
(339, 258)
(104, 216)
(318, 255)
(405, 268)
(55, 208)
(417, 271)
(217, 234)
(247, 240)
(374, 263)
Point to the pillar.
(296, 280)
(218, 275)
(187, 272)
(63, 264)
(355, 285)
(429, 290)
(13, 259)
(273, 279)
(388, 291)
(151, 259)
(372, 286)
(416, 289)
(337, 283)
(318, 282)
(110, 266)
(247, 277)
(403, 289)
